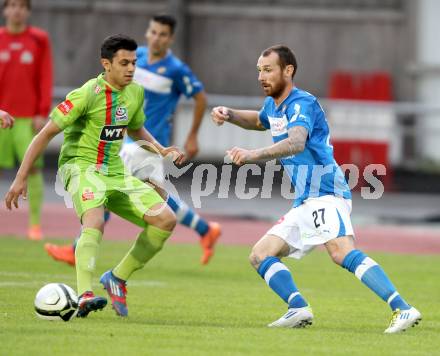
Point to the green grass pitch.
(178, 307)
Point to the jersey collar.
(102, 82)
(163, 59)
(280, 106)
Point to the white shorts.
(313, 223)
(143, 164)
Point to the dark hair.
(27, 3)
(285, 56)
(165, 19)
(114, 43)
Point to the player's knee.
(162, 217)
(94, 221)
(167, 220)
(257, 256)
(339, 248)
(97, 223)
(170, 221)
(337, 256)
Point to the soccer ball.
(56, 301)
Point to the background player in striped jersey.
(94, 119)
(165, 78)
(26, 93)
(322, 205)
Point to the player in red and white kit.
(26, 93)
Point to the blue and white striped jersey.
(313, 172)
(164, 82)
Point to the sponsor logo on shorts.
(87, 194)
(113, 133)
(65, 107)
(308, 235)
(121, 114)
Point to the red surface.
(376, 85)
(26, 72)
(362, 154)
(62, 223)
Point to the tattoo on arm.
(293, 144)
(246, 119)
(297, 138)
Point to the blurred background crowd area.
(374, 64)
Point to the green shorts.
(15, 141)
(123, 195)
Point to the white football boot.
(403, 319)
(294, 318)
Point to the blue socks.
(374, 277)
(188, 217)
(278, 277)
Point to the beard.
(276, 89)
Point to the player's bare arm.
(191, 144)
(6, 120)
(142, 134)
(35, 149)
(293, 144)
(38, 122)
(156, 147)
(246, 119)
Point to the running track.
(59, 222)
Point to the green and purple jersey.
(94, 119)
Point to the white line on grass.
(41, 278)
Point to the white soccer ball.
(56, 301)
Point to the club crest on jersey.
(87, 194)
(161, 70)
(97, 89)
(5, 56)
(27, 57)
(112, 133)
(65, 107)
(121, 113)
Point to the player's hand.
(38, 123)
(240, 156)
(6, 120)
(191, 146)
(177, 156)
(220, 114)
(17, 188)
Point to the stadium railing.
(400, 125)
